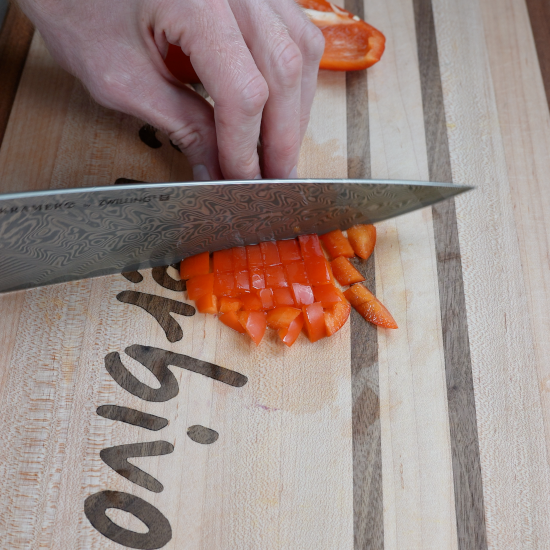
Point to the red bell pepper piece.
(266, 297)
(275, 276)
(195, 265)
(227, 304)
(344, 271)
(281, 317)
(290, 335)
(254, 256)
(362, 239)
(303, 294)
(317, 270)
(224, 284)
(257, 278)
(242, 281)
(251, 302)
(239, 259)
(223, 261)
(283, 297)
(369, 306)
(350, 43)
(328, 295)
(208, 303)
(337, 244)
(310, 247)
(254, 323)
(270, 253)
(200, 285)
(314, 321)
(336, 317)
(289, 251)
(232, 321)
(296, 273)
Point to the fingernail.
(293, 173)
(200, 173)
(258, 177)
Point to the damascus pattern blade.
(56, 236)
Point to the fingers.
(227, 69)
(187, 118)
(287, 49)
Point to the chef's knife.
(55, 236)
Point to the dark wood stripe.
(539, 14)
(470, 517)
(367, 450)
(15, 41)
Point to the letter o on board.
(160, 531)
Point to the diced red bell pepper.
(310, 247)
(254, 256)
(223, 261)
(275, 276)
(208, 303)
(314, 321)
(318, 271)
(290, 335)
(200, 285)
(239, 259)
(251, 302)
(350, 43)
(224, 284)
(254, 323)
(266, 296)
(242, 281)
(282, 297)
(337, 244)
(227, 304)
(195, 265)
(281, 317)
(257, 278)
(328, 295)
(336, 317)
(362, 239)
(369, 306)
(289, 251)
(270, 253)
(303, 294)
(232, 321)
(344, 272)
(296, 273)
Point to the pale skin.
(258, 60)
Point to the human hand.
(258, 60)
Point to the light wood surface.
(449, 415)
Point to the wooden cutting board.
(434, 436)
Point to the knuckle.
(312, 42)
(238, 166)
(287, 63)
(189, 138)
(253, 95)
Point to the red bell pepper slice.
(223, 261)
(328, 295)
(227, 304)
(290, 335)
(303, 294)
(270, 253)
(289, 251)
(281, 317)
(239, 259)
(195, 265)
(257, 278)
(336, 317)
(369, 306)
(242, 281)
(251, 302)
(254, 256)
(200, 285)
(224, 284)
(310, 247)
(208, 303)
(275, 277)
(344, 272)
(254, 323)
(363, 239)
(314, 321)
(283, 297)
(350, 43)
(266, 296)
(337, 244)
(232, 321)
(317, 270)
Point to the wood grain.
(468, 489)
(15, 40)
(539, 15)
(510, 417)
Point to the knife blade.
(49, 237)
